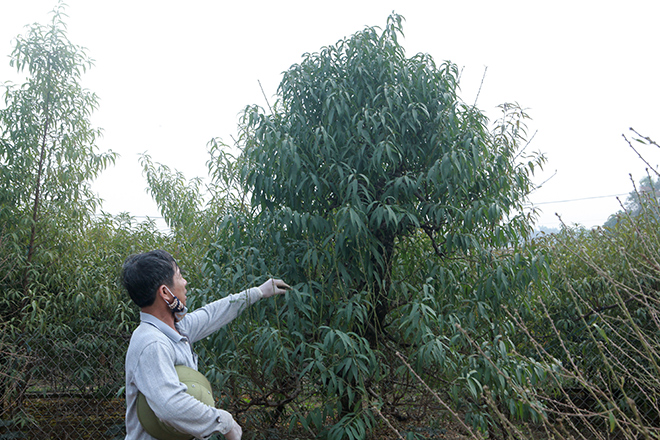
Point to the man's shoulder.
(148, 341)
(146, 334)
(146, 328)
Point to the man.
(164, 340)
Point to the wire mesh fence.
(62, 385)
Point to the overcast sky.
(173, 75)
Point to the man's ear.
(163, 292)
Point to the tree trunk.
(35, 208)
(381, 285)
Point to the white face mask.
(177, 307)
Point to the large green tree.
(376, 147)
(396, 212)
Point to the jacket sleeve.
(213, 316)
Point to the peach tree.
(397, 214)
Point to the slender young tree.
(48, 154)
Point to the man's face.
(179, 286)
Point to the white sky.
(172, 75)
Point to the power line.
(156, 217)
(580, 199)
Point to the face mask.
(177, 307)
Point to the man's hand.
(235, 433)
(273, 287)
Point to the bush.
(598, 324)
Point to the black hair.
(143, 274)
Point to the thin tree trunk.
(382, 303)
(35, 207)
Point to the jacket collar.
(160, 325)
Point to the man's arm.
(213, 316)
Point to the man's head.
(143, 274)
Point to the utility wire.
(580, 199)
(156, 217)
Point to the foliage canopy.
(367, 147)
